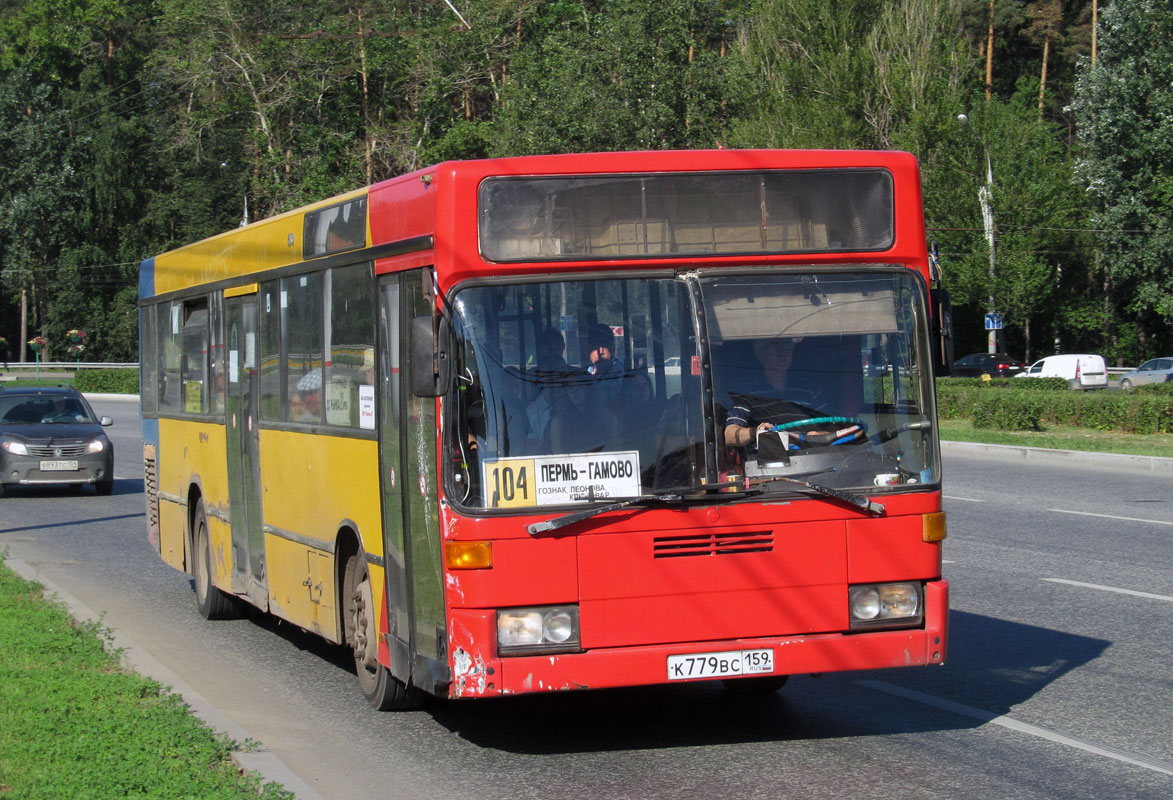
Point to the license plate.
(720, 665)
(58, 466)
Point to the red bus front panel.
(478, 675)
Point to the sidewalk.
(1045, 455)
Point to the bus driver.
(765, 402)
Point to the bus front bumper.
(478, 672)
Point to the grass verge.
(1063, 438)
(74, 723)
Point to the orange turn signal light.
(933, 527)
(468, 555)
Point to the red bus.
(574, 421)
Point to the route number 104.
(509, 483)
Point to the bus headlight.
(884, 605)
(542, 629)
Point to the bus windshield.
(581, 391)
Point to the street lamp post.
(985, 196)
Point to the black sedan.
(996, 365)
(49, 435)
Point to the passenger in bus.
(306, 402)
(367, 373)
(604, 366)
(551, 351)
(551, 367)
(584, 424)
(601, 351)
(768, 400)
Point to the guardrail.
(60, 365)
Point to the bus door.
(408, 476)
(243, 445)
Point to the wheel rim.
(362, 622)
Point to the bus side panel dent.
(471, 643)
(172, 532)
(220, 542)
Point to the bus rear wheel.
(382, 690)
(211, 602)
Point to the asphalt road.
(1058, 683)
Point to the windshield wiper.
(846, 497)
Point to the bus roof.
(436, 207)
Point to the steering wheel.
(830, 431)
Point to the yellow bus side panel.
(220, 541)
(301, 585)
(312, 486)
(270, 243)
(193, 452)
(172, 529)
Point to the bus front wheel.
(382, 690)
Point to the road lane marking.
(1147, 595)
(962, 499)
(1110, 516)
(1022, 727)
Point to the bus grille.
(712, 544)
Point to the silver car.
(49, 435)
(1155, 370)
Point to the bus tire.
(211, 602)
(382, 690)
(761, 685)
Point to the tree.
(1127, 166)
(622, 75)
(73, 180)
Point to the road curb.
(1154, 464)
(110, 396)
(258, 761)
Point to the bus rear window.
(649, 216)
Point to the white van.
(1080, 371)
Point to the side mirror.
(431, 361)
(105, 422)
(942, 314)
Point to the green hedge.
(1017, 408)
(1155, 388)
(107, 381)
(1026, 384)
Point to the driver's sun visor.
(752, 310)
